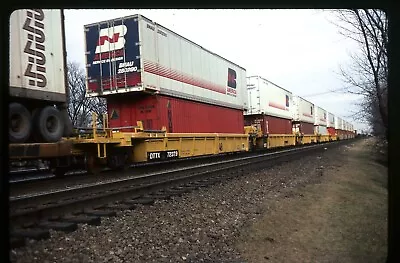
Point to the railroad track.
(31, 216)
(33, 178)
(41, 183)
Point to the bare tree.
(80, 107)
(368, 73)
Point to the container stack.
(339, 127)
(320, 121)
(162, 79)
(330, 124)
(344, 129)
(268, 106)
(303, 116)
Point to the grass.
(341, 219)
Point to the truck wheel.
(20, 123)
(48, 124)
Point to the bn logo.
(231, 89)
(111, 38)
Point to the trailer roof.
(257, 76)
(149, 20)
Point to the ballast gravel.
(201, 226)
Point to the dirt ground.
(341, 218)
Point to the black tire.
(19, 123)
(49, 125)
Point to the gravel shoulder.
(343, 218)
(325, 207)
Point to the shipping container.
(303, 110)
(265, 97)
(331, 131)
(304, 128)
(135, 54)
(320, 129)
(330, 122)
(37, 57)
(269, 124)
(176, 114)
(320, 116)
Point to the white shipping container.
(330, 122)
(321, 129)
(338, 123)
(302, 110)
(264, 97)
(150, 57)
(37, 57)
(320, 116)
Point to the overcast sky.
(299, 50)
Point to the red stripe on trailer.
(278, 106)
(157, 69)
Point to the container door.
(113, 55)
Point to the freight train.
(167, 98)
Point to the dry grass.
(341, 219)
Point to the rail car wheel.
(92, 165)
(49, 124)
(19, 123)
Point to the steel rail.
(52, 199)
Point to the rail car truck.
(37, 83)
